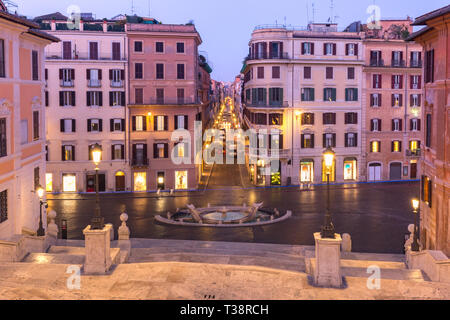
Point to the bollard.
(63, 229)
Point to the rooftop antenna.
(132, 7)
(149, 8)
(331, 11)
(313, 12)
(285, 22)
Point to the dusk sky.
(226, 26)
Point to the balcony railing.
(416, 63)
(264, 56)
(81, 56)
(377, 63)
(413, 153)
(94, 83)
(117, 84)
(67, 83)
(169, 101)
(398, 63)
(270, 104)
(139, 162)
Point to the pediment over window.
(5, 106)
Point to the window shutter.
(88, 98)
(419, 124)
(303, 47)
(400, 146)
(334, 49)
(88, 74)
(110, 74)
(89, 125)
(401, 100)
(392, 146)
(186, 124)
(99, 74)
(333, 94)
(334, 140)
(100, 125)
(62, 154)
(281, 50)
(112, 152)
(166, 150)
(122, 151)
(61, 125)
(346, 140)
(111, 125)
(324, 140)
(303, 94)
(122, 74)
(72, 74)
(74, 125)
(324, 94)
(265, 96)
(60, 74)
(144, 123)
(393, 124)
(303, 141)
(175, 122)
(312, 48)
(420, 82)
(111, 98)
(372, 125)
(166, 123)
(155, 151)
(379, 99)
(133, 123)
(346, 49)
(324, 49)
(61, 98)
(72, 98)
(134, 152)
(372, 100)
(401, 82)
(312, 140)
(145, 151)
(356, 49)
(400, 124)
(155, 123)
(430, 195)
(346, 94)
(122, 99)
(419, 98)
(100, 94)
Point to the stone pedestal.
(327, 272)
(98, 250)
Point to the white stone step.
(54, 258)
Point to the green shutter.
(281, 96)
(303, 94)
(265, 96)
(254, 100)
(356, 94)
(312, 94)
(346, 94)
(324, 94)
(333, 94)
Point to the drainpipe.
(292, 110)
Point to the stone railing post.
(124, 242)
(327, 271)
(98, 250)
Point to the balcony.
(262, 56)
(415, 86)
(82, 56)
(169, 101)
(271, 104)
(377, 63)
(398, 63)
(413, 153)
(139, 163)
(117, 84)
(94, 83)
(416, 63)
(66, 83)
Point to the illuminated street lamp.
(97, 222)
(328, 228)
(415, 243)
(40, 192)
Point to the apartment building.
(85, 95)
(306, 83)
(22, 123)
(435, 160)
(167, 92)
(392, 90)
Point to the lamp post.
(97, 221)
(328, 228)
(40, 192)
(415, 243)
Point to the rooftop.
(422, 20)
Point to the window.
(94, 98)
(181, 122)
(180, 47)
(416, 59)
(306, 171)
(396, 124)
(375, 146)
(351, 49)
(94, 125)
(90, 152)
(427, 187)
(276, 119)
(139, 95)
(180, 71)
(351, 118)
(24, 131)
(351, 140)
(329, 140)
(160, 150)
(117, 152)
(181, 180)
(307, 94)
(276, 96)
(93, 50)
(66, 98)
(351, 73)
(307, 118)
(67, 125)
(260, 73)
(159, 47)
(159, 71)
(49, 182)
(397, 59)
(428, 132)
(308, 48)
(414, 145)
(66, 76)
(3, 206)
(67, 50)
(94, 77)
(68, 153)
(329, 118)
(260, 118)
(138, 46)
(307, 141)
(2, 59)
(351, 94)
(414, 124)
(349, 169)
(117, 125)
(139, 123)
(375, 100)
(377, 81)
(397, 100)
(329, 49)
(329, 72)
(116, 98)
(429, 66)
(397, 82)
(375, 125)
(416, 82)
(180, 96)
(35, 64)
(259, 96)
(69, 182)
(376, 59)
(35, 125)
(138, 70)
(396, 146)
(329, 94)
(116, 51)
(3, 138)
(159, 95)
(160, 123)
(415, 100)
(307, 72)
(275, 72)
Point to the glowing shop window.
(69, 183)
(181, 179)
(306, 171)
(140, 181)
(350, 170)
(48, 182)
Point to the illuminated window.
(69, 182)
(414, 145)
(181, 179)
(48, 182)
(306, 171)
(140, 181)
(396, 146)
(375, 146)
(349, 169)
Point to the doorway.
(413, 169)
(395, 172)
(374, 172)
(90, 182)
(120, 181)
